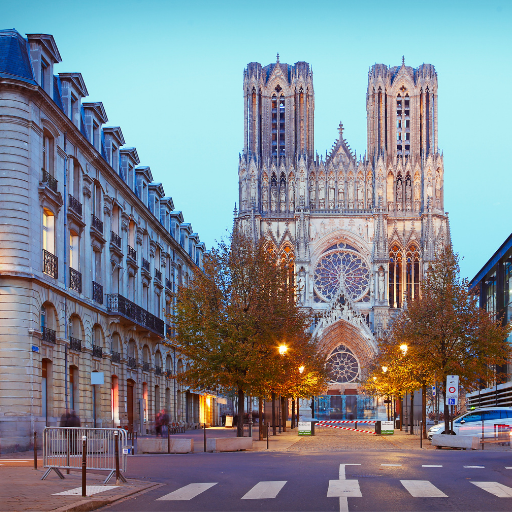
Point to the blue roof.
(14, 57)
(505, 247)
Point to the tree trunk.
(284, 413)
(424, 411)
(401, 411)
(293, 413)
(411, 416)
(446, 417)
(261, 426)
(240, 422)
(274, 432)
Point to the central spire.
(277, 58)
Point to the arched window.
(403, 123)
(274, 125)
(282, 126)
(287, 261)
(395, 276)
(413, 272)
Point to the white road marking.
(344, 489)
(397, 465)
(264, 490)
(422, 489)
(186, 493)
(500, 490)
(342, 470)
(474, 467)
(432, 466)
(508, 467)
(89, 490)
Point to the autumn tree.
(232, 317)
(446, 331)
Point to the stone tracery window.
(342, 267)
(342, 365)
(413, 272)
(287, 259)
(395, 276)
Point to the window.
(73, 250)
(74, 107)
(44, 74)
(395, 277)
(48, 231)
(403, 136)
(413, 272)
(43, 318)
(95, 134)
(48, 153)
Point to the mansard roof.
(49, 44)
(158, 188)
(146, 171)
(177, 215)
(14, 57)
(186, 226)
(98, 109)
(132, 153)
(167, 201)
(78, 82)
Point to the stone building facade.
(359, 232)
(91, 251)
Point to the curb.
(93, 504)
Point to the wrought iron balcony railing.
(158, 370)
(97, 351)
(168, 284)
(50, 264)
(158, 274)
(116, 357)
(50, 181)
(145, 264)
(75, 280)
(75, 344)
(48, 335)
(145, 366)
(97, 292)
(132, 253)
(168, 373)
(131, 362)
(97, 223)
(75, 205)
(115, 239)
(117, 304)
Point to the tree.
(446, 331)
(232, 317)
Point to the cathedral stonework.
(360, 232)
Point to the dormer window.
(44, 74)
(95, 134)
(74, 103)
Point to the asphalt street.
(435, 480)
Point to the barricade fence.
(63, 449)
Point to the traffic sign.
(452, 390)
(433, 391)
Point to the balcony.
(75, 280)
(75, 205)
(48, 335)
(132, 363)
(75, 344)
(97, 292)
(49, 180)
(158, 274)
(116, 357)
(97, 224)
(158, 370)
(115, 239)
(168, 284)
(132, 253)
(117, 304)
(145, 264)
(50, 264)
(145, 366)
(97, 351)
(168, 373)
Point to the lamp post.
(282, 349)
(403, 348)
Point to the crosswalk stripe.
(344, 488)
(186, 493)
(422, 489)
(500, 490)
(264, 490)
(392, 465)
(474, 467)
(432, 466)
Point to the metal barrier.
(62, 449)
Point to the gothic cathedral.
(360, 232)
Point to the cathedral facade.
(360, 232)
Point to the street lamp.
(384, 369)
(301, 369)
(403, 348)
(283, 349)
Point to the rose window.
(342, 365)
(342, 268)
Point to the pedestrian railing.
(63, 449)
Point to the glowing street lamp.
(384, 369)
(283, 349)
(403, 348)
(301, 369)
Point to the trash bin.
(378, 427)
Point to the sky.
(169, 73)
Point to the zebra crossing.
(344, 488)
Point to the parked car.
(470, 423)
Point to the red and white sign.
(452, 390)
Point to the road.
(357, 481)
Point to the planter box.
(464, 442)
(159, 445)
(228, 444)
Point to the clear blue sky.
(170, 74)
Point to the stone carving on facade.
(273, 199)
(291, 195)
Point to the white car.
(470, 423)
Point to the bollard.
(35, 450)
(355, 425)
(267, 435)
(168, 439)
(116, 438)
(421, 434)
(84, 465)
(204, 436)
